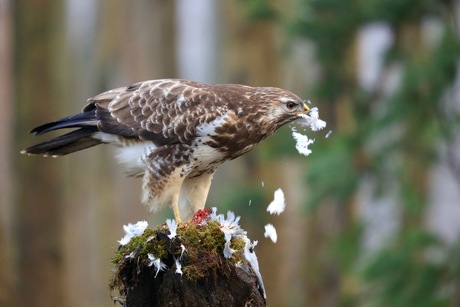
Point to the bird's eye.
(291, 105)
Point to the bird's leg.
(175, 208)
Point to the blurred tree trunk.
(126, 43)
(38, 224)
(252, 52)
(414, 177)
(250, 48)
(6, 287)
(6, 174)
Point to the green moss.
(202, 258)
(142, 245)
(208, 236)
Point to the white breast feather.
(210, 128)
(206, 155)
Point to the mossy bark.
(162, 268)
(234, 285)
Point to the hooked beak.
(306, 108)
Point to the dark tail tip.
(64, 144)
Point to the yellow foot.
(175, 208)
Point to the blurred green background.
(373, 214)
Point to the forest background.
(372, 214)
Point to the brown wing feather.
(164, 111)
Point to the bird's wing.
(164, 111)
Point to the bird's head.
(282, 106)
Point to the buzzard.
(174, 133)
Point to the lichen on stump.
(208, 261)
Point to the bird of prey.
(174, 133)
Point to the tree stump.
(207, 263)
(233, 286)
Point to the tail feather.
(65, 144)
(85, 119)
(70, 142)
